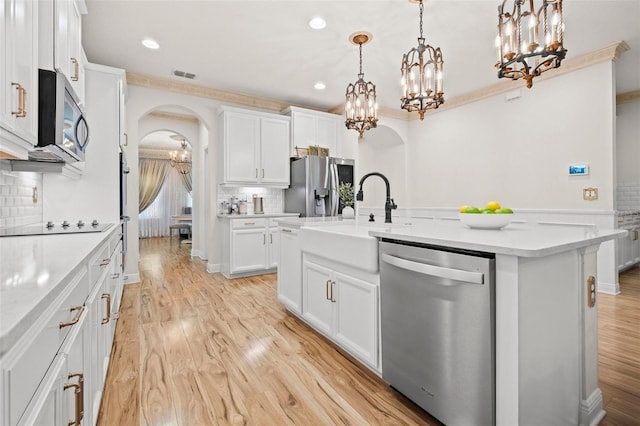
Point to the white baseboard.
(212, 268)
(591, 411)
(608, 288)
(198, 253)
(132, 278)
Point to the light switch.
(590, 194)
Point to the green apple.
(504, 210)
(488, 211)
(472, 209)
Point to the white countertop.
(515, 239)
(519, 239)
(245, 216)
(33, 271)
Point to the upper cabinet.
(256, 148)
(310, 127)
(68, 55)
(19, 77)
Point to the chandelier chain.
(421, 12)
(360, 58)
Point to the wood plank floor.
(193, 348)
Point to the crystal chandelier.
(361, 109)
(522, 51)
(181, 161)
(422, 73)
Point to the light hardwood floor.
(193, 348)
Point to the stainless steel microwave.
(63, 132)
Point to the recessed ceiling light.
(150, 43)
(319, 86)
(317, 23)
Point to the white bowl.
(485, 221)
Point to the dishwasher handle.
(436, 271)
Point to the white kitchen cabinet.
(68, 55)
(290, 270)
(256, 148)
(19, 77)
(342, 307)
(250, 246)
(56, 370)
(310, 127)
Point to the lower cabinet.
(54, 375)
(344, 308)
(250, 246)
(290, 270)
(628, 248)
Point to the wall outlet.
(590, 194)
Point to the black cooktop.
(51, 228)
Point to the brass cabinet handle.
(264, 239)
(262, 173)
(286, 230)
(107, 297)
(270, 238)
(256, 173)
(332, 298)
(79, 397)
(22, 101)
(76, 70)
(75, 319)
(328, 297)
(105, 262)
(116, 275)
(249, 223)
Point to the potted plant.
(345, 192)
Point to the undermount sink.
(348, 243)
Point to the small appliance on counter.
(257, 205)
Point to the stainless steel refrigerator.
(314, 185)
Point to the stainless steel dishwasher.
(438, 334)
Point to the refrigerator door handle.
(333, 171)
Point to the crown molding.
(164, 115)
(625, 98)
(613, 52)
(191, 89)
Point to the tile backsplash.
(18, 206)
(273, 199)
(628, 196)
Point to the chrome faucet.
(389, 203)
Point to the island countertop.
(516, 239)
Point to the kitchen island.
(546, 343)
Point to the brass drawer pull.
(22, 101)
(75, 319)
(76, 73)
(79, 397)
(107, 297)
(105, 262)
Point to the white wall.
(518, 152)
(628, 142)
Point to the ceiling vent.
(184, 74)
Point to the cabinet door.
(19, 75)
(356, 317)
(634, 236)
(327, 134)
(274, 151)
(274, 248)
(248, 250)
(304, 130)
(74, 59)
(317, 307)
(241, 143)
(290, 270)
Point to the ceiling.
(265, 48)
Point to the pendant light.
(422, 75)
(361, 108)
(523, 52)
(181, 161)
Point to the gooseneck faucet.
(389, 203)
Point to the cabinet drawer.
(114, 240)
(98, 263)
(28, 361)
(248, 223)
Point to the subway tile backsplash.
(17, 204)
(273, 199)
(628, 196)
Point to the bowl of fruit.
(492, 216)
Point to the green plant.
(345, 192)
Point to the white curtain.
(172, 199)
